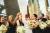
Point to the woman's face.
(32, 17)
(1, 19)
(20, 17)
(10, 18)
(34, 23)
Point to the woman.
(12, 25)
(34, 23)
(20, 25)
(26, 25)
(3, 27)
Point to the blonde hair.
(10, 17)
(19, 13)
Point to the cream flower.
(48, 22)
(33, 24)
(42, 25)
(20, 29)
(3, 28)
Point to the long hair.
(10, 18)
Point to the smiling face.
(35, 24)
(10, 18)
(20, 17)
(32, 17)
(1, 19)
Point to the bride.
(26, 25)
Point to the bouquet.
(33, 24)
(42, 25)
(48, 22)
(3, 29)
(20, 29)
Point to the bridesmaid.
(12, 25)
(34, 23)
(3, 24)
(20, 24)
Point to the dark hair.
(35, 15)
(44, 19)
(27, 15)
(43, 15)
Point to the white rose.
(48, 22)
(42, 25)
(20, 29)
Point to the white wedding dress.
(26, 25)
